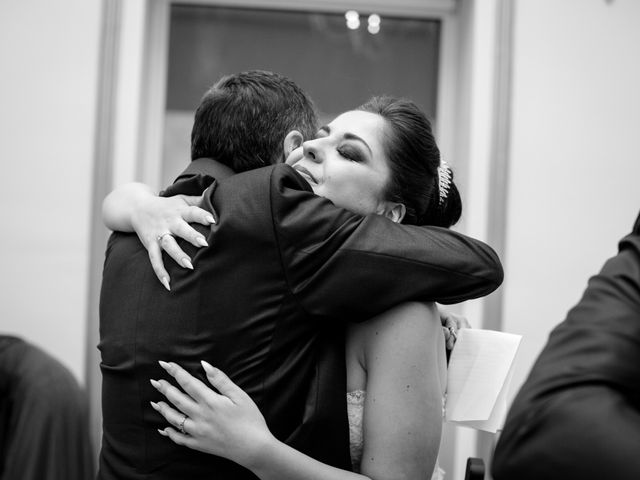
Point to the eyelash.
(349, 154)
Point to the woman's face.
(346, 163)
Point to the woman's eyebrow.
(348, 136)
(352, 136)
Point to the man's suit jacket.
(283, 271)
(578, 413)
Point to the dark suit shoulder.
(301, 217)
(280, 177)
(284, 177)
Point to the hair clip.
(444, 181)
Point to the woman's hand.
(451, 323)
(228, 424)
(157, 220)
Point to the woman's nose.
(310, 150)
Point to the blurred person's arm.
(578, 413)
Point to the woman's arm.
(230, 425)
(404, 359)
(120, 205)
(134, 207)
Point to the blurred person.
(578, 413)
(288, 267)
(44, 424)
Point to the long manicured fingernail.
(155, 384)
(165, 282)
(186, 263)
(202, 242)
(165, 365)
(210, 219)
(155, 406)
(207, 367)
(163, 433)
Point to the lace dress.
(355, 410)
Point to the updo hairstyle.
(414, 158)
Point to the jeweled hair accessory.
(444, 181)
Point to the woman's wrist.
(141, 203)
(259, 456)
(119, 206)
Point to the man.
(268, 295)
(578, 413)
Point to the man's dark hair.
(242, 120)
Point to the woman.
(381, 158)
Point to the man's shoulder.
(284, 176)
(279, 173)
(280, 182)
(276, 195)
(201, 174)
(122, 239)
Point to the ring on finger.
(453, 332)
(161, 236)
(181, 426)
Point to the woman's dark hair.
(414, 158)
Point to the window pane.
(340, 68)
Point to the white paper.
(478, 378)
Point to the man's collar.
(198, 176)
(206, 166)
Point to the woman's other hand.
(451, 323)
(227, 424)
(157, 220)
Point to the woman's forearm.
(119, 206)
(278, 461)
(229, 424)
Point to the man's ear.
(292, 141)
(393, 211)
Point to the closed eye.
(351, 153)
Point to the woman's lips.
(305, 173)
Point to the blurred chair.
(475, 469)
(44, 428)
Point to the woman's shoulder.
(401, 332)
(406, 316)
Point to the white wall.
(49, 54)
(574, 184)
